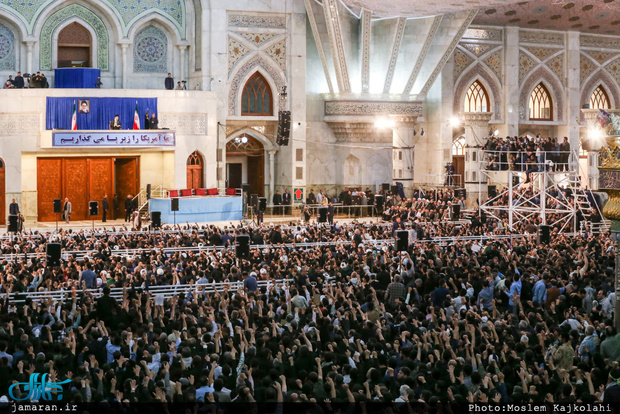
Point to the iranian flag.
(136, 118)
(74, 119)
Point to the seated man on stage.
(116, 123)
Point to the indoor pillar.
(476, 126)
(124, 47)
(272, 174)
(182, 50)
(29, 48)
(403, 143)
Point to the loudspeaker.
(394, 189)
(262, 204)
(254, 200)
(148, 191)
(379, 200)
(322, 214)
(586, 106)
(242, 249)
(385, 187)
(516, 180)
(402, 240)
(456, 212)
(544, 236)
(460, 193)
(13, 219)
(93, 208)
(245, 188)
(174, 204)
(52, 251)
(492, 190)
(57, 206)
(284, 127)
(156, 219)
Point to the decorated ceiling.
(420, 8)
(594, 16)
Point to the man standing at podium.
(169, 82)
(154, 123)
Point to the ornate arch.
(481, 74)
(61, 16)
(554, 87)
(272, 75)
(600, 77)
(267, 144)
(150, 50)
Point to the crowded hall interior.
(309, 206)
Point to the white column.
(29, 47)
(272, 174)
(476, 128)
(182, 50)
(572, 104)
(124, 47)
(403, 153)
(511, 103)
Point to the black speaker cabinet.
(456, 212)
(385, 187)
(544, 235)
(52, 251)
(460, 193)
(156, 219)
(57, 206)
(242, 248)
(394, 189)
(13, 220)
(492, 190)
(254, 200)
(262, 204)
(379, 200)
(174, 204)
(402, 240)
(93, 208)
(148, 191)
(322, 214)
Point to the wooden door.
(256, 175)
(125, 181)
(101, 182)
(75, 182)
(49, 187)
(459, 168)
(195, 170)
(235, 176)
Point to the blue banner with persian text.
(113, 139)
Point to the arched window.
(599, 99)
(74, 46)
(541, 107)
(476, 99)
(194, 159)
(256, 99)
(458, 146)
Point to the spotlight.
(244, 140)
(384, 123)
(496, 132)
(595, 134)
(455, 121)
(422, 133)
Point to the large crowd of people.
(350, 320)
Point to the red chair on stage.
(200, 191)
(173, 193)
(186, 193)
(231, 191)
(212, 191)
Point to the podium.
(82, 78)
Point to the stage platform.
(84, 78)
(198, 209)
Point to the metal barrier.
(167, 291)
(496, 160)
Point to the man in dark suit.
(169, 82)
(154, 123)
(277, 202)
(286, 201)
(128, 208)
(147, 122)
(104, 208)
(330, 214)
(13, 208)
(19, 81)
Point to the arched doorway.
(74, 47)
(195, 170)
(245, 164)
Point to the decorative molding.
(541, 53)
(236, 51)
(555, 88)
(277, 52)
(20, 124)
(319, 44)
(398, 38)
(425, 48)
(526, 64)
(599, 42)
(539, 37)
(366, 38)
(184, 124)
(483, 34)
(64, 14)
(602, 57)
(609, 157)
(614, 69)
(360, 132)
(266, 22)
(477, 49)
(478, 72)
(373, 108)
(257, 39)
(479, 119)
(586, 67)
(150, 51)
(461, 62)
(556, 65)
(448, 52)
(7, 48)
(330, 9)
(250, 66)
(495, 62)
